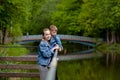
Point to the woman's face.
(47, 35)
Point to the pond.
(92, 69)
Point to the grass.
(13, 50)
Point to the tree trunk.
(113, 40)
(113, 58)
(5, 34)
(1, 37)
(108, 41)
(117, 37)
(107, 59)
(1, 34)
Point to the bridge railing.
(18, 66)
(62, 37)
(81, 39)
(52, 71)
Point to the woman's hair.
(45, 29)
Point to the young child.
(55, 38)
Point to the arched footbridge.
(77, 39)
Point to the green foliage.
(16, 31)
(79, 17)
(88, 16)
(94, 17)
(112, 48)
(65, 16)
(41, 12)
(14, 13)
(85, 17)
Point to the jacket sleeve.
(58, 41)
(45, 50)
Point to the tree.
(99, 16)
(41, 11)
(66, 16)
(13, 14)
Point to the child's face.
(53, 32)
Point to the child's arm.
(58, 41)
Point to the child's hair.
(45, 29)
(53, 27)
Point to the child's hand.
(56, 46)
(60, 49)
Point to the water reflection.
(75, 48)
(69, 48)
(88, 69)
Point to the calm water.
(93, 69)
(69, 48)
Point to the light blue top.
(56, 40)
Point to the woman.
(45, 53)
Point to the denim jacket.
(45, 53)
(56, 40)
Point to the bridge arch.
(77, 39)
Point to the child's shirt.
(56, 40)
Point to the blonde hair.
(53, 27)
